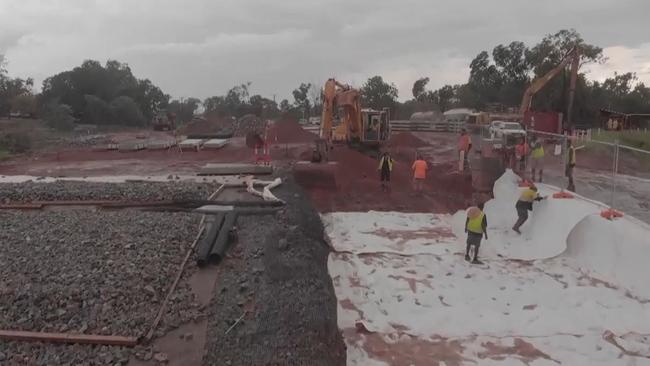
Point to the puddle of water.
(183, 352)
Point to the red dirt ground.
(406, 139)
(359, 188)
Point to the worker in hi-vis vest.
(476, 228)
(385, 167)
(525, 204)
(571, 163)
(537, 159)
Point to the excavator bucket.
(316, 175)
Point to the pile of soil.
(275, 280)
(289, 131)
(405, 139)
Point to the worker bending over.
(524, 205)
(476, 228)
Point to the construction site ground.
(364, 288)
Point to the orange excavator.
(496, 158)
(343, 121)
(573, 57)
(355, 125)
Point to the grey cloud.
(202, 47)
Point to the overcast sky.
(203, 47)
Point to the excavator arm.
(572, 57)
(337, 95)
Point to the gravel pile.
(277, 276)
(130, 191)
(249, 123)
(90, 272)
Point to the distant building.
(458, 114)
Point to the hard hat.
(473, 212)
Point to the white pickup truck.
(500, 128)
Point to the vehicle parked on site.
(500, 128)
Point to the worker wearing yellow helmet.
(476, 228)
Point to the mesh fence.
(594, 165)
(611, 167)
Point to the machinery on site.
(572, 58)
(344, 121)
(164, 121)
(498, 151)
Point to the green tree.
(215, 105)
(263, 107)
(301, 98)
(445, 97)
(285, 106)
(24, 104)
(97, 111)
(184, 108)
(59, 116)
(419, 88)
(106, 82)
(11, 88)
(378, 94)
(127, 112)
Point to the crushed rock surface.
(129, 191)
(92, 272)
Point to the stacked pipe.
(214, 242)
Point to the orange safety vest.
(521, 149)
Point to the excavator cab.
(375, 126)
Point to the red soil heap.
(287, 131)
(405, 139)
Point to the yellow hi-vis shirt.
(538, 152)
(572, 156)
(528, 195)
(475, 225)
(390, 163)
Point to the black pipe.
(207, 241)
(221, 243)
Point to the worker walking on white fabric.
(476, 228)
(525, 204)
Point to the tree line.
(99, 94)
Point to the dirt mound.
(289, 131)
(405, 139)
